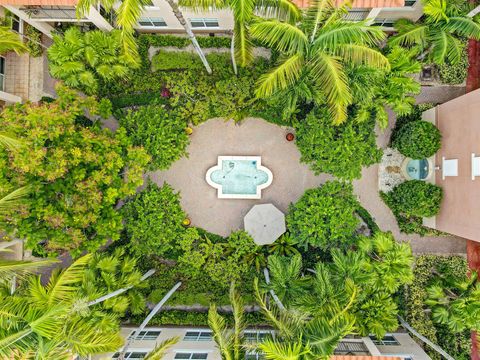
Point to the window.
(204, 23)
(410, 2)
(151, 22)
(131, 355)
(2, 73)
(191, 356)
(383, 22)
(146, 335)
(15, 22)
(387, 340)
(254, 356)
(255, 336)
(198, 336)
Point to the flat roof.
(459, 123)
(363, 357)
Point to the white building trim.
(39, 25)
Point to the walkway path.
(291, 179)
(367, 190)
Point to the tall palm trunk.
(178, 14)
(147, 319)
(232, 54)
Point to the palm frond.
(11, 200)
(281, 77)
(160, 350)
(60, 287)
(242, 44)
(9, 142)
(409, 34)
(284, 37)
(463, 26)
(329, 72)
(436, 9)
(220, 333)
(9, 41)
(277, 350)
(362, 55)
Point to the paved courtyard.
(253, 137)
(290, 180)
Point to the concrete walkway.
(252, 137)
(367, 190)
(291, 179)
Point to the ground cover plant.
(412, 200)
(76, 173)
(181, 85)
(431, 270)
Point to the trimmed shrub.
(416, 197)
(160, 132)
(340, 150)
(418, 140)
(179, 60)
(325, 217)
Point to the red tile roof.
(39, 2)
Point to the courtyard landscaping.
(333, 121)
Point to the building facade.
(197, 343)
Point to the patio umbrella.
(265, 223)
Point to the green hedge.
(147, 40)
(414, 296)
(186, 318)
(368, 219)
(137, 99)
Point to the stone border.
(219, 187)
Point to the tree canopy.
(77, 175)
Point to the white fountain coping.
(219, 187)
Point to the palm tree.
(286, 278)
(79, 59)
(456, 302)
(128, 14)
(313, 56)
(301, 335)
(9, 41)
(244, 13)
(106, 274)
(438, 34)
(376, 90)
(284, 246)
(52, 322)
(230, 342)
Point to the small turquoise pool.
(239, 177)
(418, 169)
